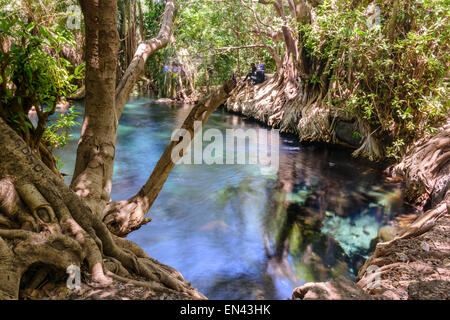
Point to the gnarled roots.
(43, 223)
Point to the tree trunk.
(125, 216)
(92, 177)
(131, 36)
(45, 223)
(144, 50)
(95, 154)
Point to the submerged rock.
(354, 234)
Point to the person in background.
(260, 66)
(260, 73)
(251, 74)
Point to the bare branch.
(242, 47)
(125, 216)
(144, 50)
(272, 52)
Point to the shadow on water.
(237, 234)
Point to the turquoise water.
(238, 234)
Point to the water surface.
(238, 234)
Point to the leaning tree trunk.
(143, 51)
(123, 217)
(43, 222)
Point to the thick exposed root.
(417, 258)
(426, 169)
(43, 223)
(370, 147)
(21, 249)
(125, 216)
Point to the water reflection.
(237, 234)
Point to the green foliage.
(34, 75)
(395, 149)
(152, 17)
(393, 74)
(357, 135)
(57, 134)
(28, 66)
(59, 163)
(21, 121)
(203, 31)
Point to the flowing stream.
(238, 234)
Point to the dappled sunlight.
(8, 196)
(84, 185)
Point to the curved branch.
(258, 30)
(144, 50)
(128, 215)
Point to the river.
(236, 233)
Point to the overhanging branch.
(125, 216)
(144, 50)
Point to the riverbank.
(415, 263)
(302, 115)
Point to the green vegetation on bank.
(390, 69)
(34, 76)
(384, 62)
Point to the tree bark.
(95, 154)
(43, 222)
(125, 216)
(144, 50)
(92, 177)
